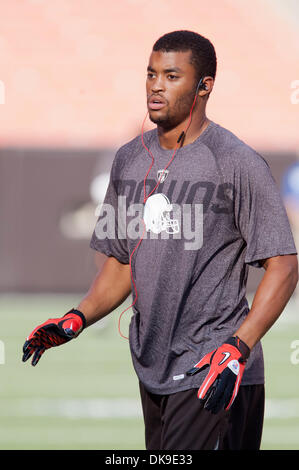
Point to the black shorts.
(179, 421)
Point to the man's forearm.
(110, 288)
(271, 297)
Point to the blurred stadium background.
(72, 90)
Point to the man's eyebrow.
(172, 69)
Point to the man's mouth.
(156, 102)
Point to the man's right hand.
(53, 332)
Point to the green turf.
(51, 406)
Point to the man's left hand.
(221, 385)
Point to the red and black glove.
(221, 385)
(53, 332)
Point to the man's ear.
(207, 87)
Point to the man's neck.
(168, 138)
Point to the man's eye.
(150, 75)
(172, 77)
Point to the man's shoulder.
(128, 151)
(235, 149)
(135, 145)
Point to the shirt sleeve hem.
(121, 259)
(254, 260)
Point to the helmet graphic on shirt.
(156, 215)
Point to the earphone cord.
(146, 197)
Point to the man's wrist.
(240, 345)
(80, 314)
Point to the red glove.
(227, 364)
(53, 332)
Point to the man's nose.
(158, 84)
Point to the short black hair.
(203, 53)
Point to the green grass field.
(84, 395)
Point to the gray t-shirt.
(217, 211)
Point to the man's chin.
(156, 119)
(162, 121)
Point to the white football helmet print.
(156, 215)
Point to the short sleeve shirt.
(190, 240)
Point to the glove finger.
(29, 347)
(26, 346)
(206, 385)
(228, 396)
(27, 352)
(209, 395)
(222, 392)
(37, 355)
(36, 341)
(202, 364)
(234, 393)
